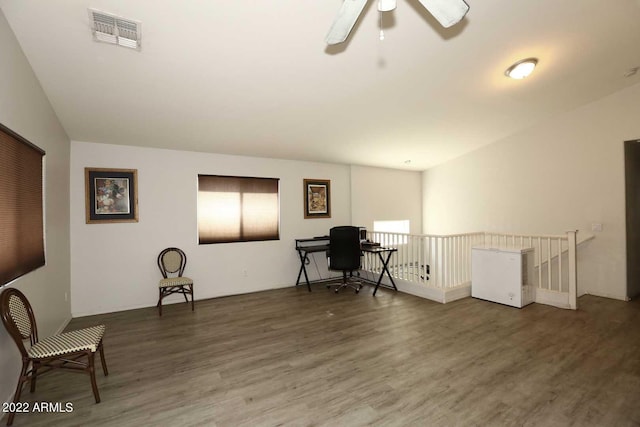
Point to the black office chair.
(344, 254)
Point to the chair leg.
(92, 374)
(184, 294)
(192, 306)
(160, 301)
(103, 361)
(344, 282)
(16, 397)
(34, 376)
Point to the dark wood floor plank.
(293, 358)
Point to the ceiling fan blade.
(344, 22)
(447, 12)
(386, 5)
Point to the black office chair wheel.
(336, 290)
(357, 291)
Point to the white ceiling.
(256, 78)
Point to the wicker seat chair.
(172, 262)
(66, 350)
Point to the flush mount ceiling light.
(521, 69)
(113, 29)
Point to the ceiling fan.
(447, 12)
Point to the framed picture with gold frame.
(317, 198)
(111, 195)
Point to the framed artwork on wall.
(317, 198)
(111, 195)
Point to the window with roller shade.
(21, 211)
(237, 209)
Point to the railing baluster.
(454, 261)
(399, 259)
(449, 260)
(573, 281)
(559, 265)
(407, 257)
(412, 260)
(444, 258)
(428, 260)
(457, 260)
(438, 265)
(421, 258)
(539, 253)
(418, 259)
(445, 261)
(549, 263)
(409, 244)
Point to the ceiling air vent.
(113, 29)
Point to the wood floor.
(294, 358)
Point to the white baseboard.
(442, 296)
(113, 310)
(177, 300)
(65, 323)
(427, 292)
(459, 292)
(553, 298)
(606, 295)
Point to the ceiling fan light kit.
(386, 5)
(521, 69)
(447, 12)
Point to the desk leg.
(385, 264)
(303, 260)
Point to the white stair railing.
(444, 261)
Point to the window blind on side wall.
(21, 214)
(237, 209)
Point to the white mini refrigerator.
(503, 275)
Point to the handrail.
(564, 251)
(544, 236)
(426, 235)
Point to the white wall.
(379, 194)
(25, 109)
(114, 265)
(566, 173)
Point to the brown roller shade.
(237, 209)
(21, 217)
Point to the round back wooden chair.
(73, 350)
(172, 262)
